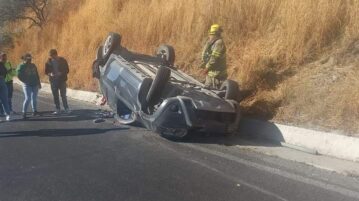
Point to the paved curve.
(69, 158)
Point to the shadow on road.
(58, 132)
(251, 132)
(233, 140)
(76, 115)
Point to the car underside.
(152, 91)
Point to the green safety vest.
(11, 72)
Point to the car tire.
(142, 93)
(99, 56)
(99, 52)
(233, 129)
(97, 63)
(96, 69)
(112, 42)
(167, 53)
(184, 135)
(122, 112)
(231, 89)
(158, 85)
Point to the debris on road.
(99, 120)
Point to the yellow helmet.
(215, 29)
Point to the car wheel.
(97, 63)
(112, 42)
(142, 93)
(99, 52)
(124, 114)
(127, 119)
(99, 56)
(167, 53)
(231, 89)
(175, 134)
(234, 127)
(158, 85)
(96, 69)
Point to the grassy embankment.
(287, 54)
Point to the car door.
(122, 84)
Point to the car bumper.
(176, 116)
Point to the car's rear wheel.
(112, 42)
(158, 85)
(167, 53)
(175, 134)
(231, 89)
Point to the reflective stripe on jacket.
(214, 56)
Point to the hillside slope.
(273, 46)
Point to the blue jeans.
(10, 89)
(4, 99)
(31, 93)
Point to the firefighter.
(214, 58)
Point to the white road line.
(244, 183)
(282, 173)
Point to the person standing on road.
(214, 58)
(11, 73)
(57, 69)
(29, 76)
(4, 92)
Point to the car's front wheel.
(125, 115)
(178, 134)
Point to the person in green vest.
(11, 73)
(214, 58)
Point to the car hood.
(206, 100)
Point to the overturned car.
(152, 91)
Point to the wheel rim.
(126, 118)
(107, 46)
(163, 54)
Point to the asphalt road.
(69, 158)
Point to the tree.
(33, 10)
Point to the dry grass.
(325, 94)
(266, 39)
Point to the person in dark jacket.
(57, 69)
(4, 92)
(29, 76)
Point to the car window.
(115, 70)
